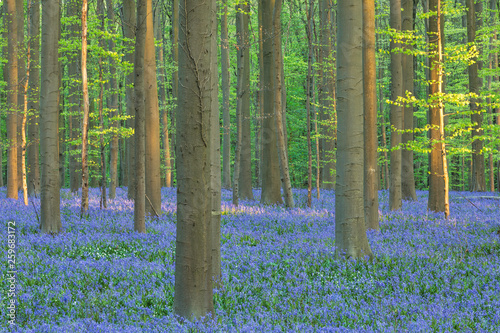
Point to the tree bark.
(12, 102)
(438, 179)
(370, 117)
(49, 119)
(21, 72)
(226, 123)
(350, 230)
(396, 111)
(152, 120)
(271, 184)
(309, 99)
(193, 295)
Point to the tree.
(139, 106)
(370, 117)
(407, 172)
(239, 105)
(33, 100)
(309, 98)
(226, 124)
(49, 119)
(85, 120)
(350, 230)
(438, 179)
(193, 295)
(271, 184)
(152, 119)
(396, 114)
(12, 84)
(478, 181)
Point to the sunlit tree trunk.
(478, 181)
(370, 115)
(396, 111)
(34, 100)
(193, 290)
(438, 179)
(49, 118)
(129, 26)
(271, 183)
(12, 86)
(226, 124)
(21, 77)
(350, 230)
(85, 120)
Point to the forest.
(260, 166)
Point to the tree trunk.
(12, 86)
(193, 293)
(140, 110)
(21, 74)
(283, 156)
(245, 178)
(370, 115)
(239, 105)
(271, 184)
(309, 99)
(113, 106)
(396, 111)
(226, 123)
(350, 230)
(407, 173)
(34, 100)
(152, 120)
(85, 120)
(438, 179)
(478, 181)
(385, 169)
(49, 119)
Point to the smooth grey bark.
(226, 123)
(371, 182)
(239, 105)
(34, 101)
(193, 289)
(50, 216)
(396, 115)
(350, 230)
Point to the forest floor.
(278, 266)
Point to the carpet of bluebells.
(279, 269)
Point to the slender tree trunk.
(34, 100)
(152, 120)
(283, 156)
(478, 181)
(193, 293)
(350, 230)
(113, 106)
(49, 118)
(260, 112)
(271, 184)
(396, 111)
(438, 179)
(85, 120)
(309, 99)
(103, 201)
(12, 86)
(407, 173)
(139, 106)
(21, 72)
(129, 27)
(226, 124)
(385, 169)
(245, 177)
(239, 105)
(370, 115)
(23, 130)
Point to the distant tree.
(226, 125)
(309, 97)
(350, 230)
(49, 119)
(86, 107)
(396, 114)
(193, 290)
(370, 117)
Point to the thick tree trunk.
(12, 86)
(407, 173)
(152, 120)
(226, 123)
(140, 110)
(396, 112)
(370, 114)
(350, 230)
(478, 181)
(34, 100)
(129, 22)
(85, 120)
(271, 184)
(438, 179)
(113, 106)
(49, 119)
(193, 292)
